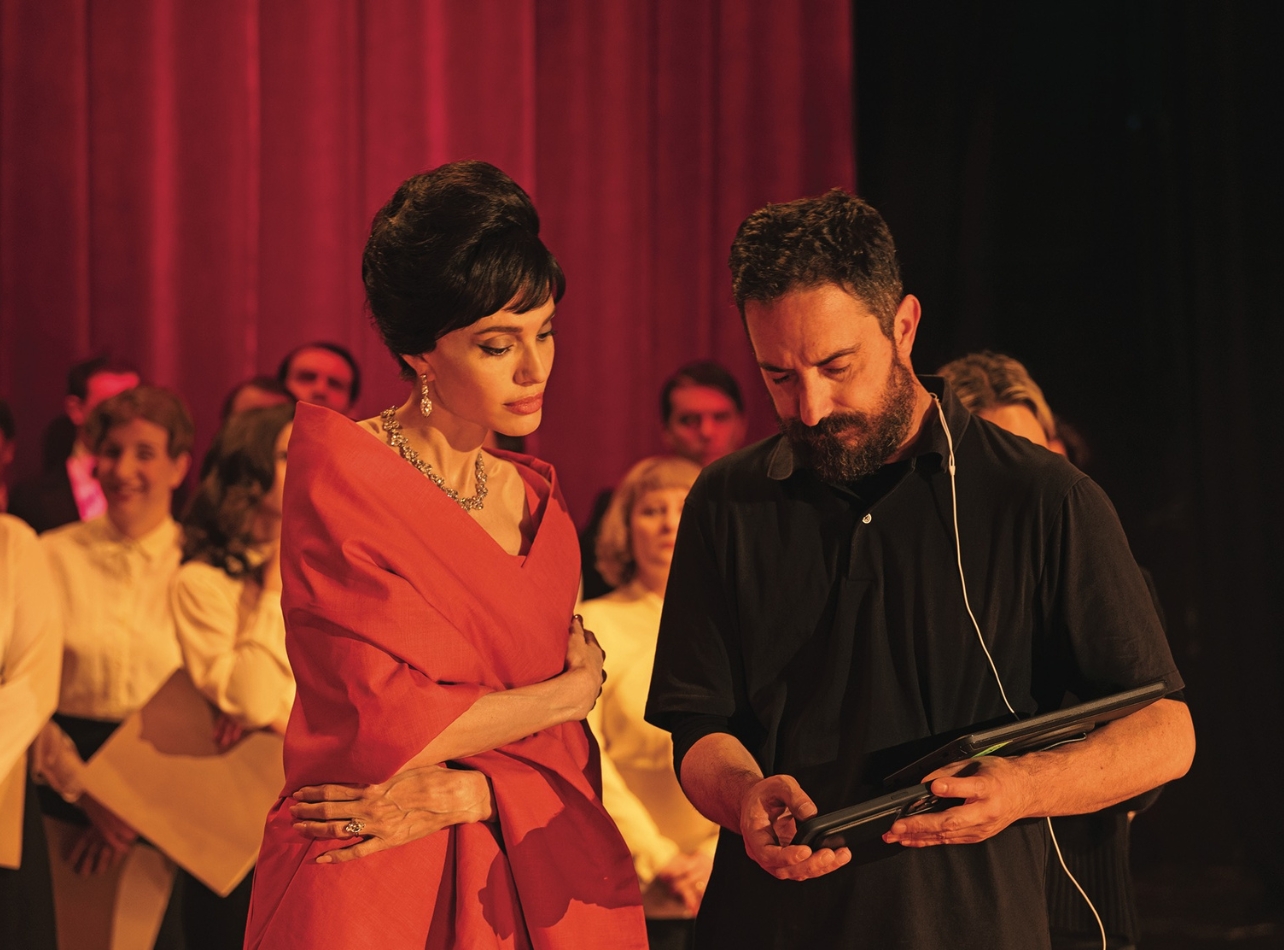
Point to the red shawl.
(400, 612)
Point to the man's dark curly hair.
(835, 238)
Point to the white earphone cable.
(958, 551)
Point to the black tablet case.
(1015, 738)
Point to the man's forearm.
(716, 773)
(1114, 763)
(725, 784)
(1117, 761)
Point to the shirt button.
(867, 519)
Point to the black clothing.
(211, 922)
(26, 893)
(45, 502)
(594, 584)
(824, 627)
(1095, 848)
(670, 934)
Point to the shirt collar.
(155, 544)
(931, 439)
(635, 591)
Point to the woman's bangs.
(518, 274)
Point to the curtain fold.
(188, 186)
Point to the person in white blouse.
(672, 844)
(227, 608)
(30, 662)
(112, 575)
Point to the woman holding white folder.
(112, 576)
(227, 610)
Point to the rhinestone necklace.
(398, 442)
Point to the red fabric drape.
(189, 185)
(423, 623)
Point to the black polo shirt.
(824, 627)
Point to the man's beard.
(844, 447)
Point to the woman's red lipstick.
(524, 407)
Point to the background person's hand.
(996, 792)
(411, 805)
(114, 829)
(227, 731)
(104, 843)
(768, 816)
(687, 876)
(92, 853)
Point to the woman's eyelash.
(501, 350)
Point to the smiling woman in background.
(112, 575)
(441, 787)
(672, 844)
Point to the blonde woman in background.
(672, 844)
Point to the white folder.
(162, 773)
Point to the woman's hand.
(92, 853)
(584, 658)
(227, 731)
(686, 876)
(104, 843)
(411, 805)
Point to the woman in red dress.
(442, 788)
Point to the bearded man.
(817, 635)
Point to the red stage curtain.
(189, 185)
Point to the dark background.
(1094, 188)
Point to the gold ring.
(355, 826)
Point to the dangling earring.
(425, 403)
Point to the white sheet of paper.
(162, 773)
(12, 798)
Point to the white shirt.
(232, 635)
(639, 788)
(119, 643)
(30, 641)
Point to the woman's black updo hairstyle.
(452, 246)
(238, 471)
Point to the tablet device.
(869, 819)
(1033, 734)
(874, 817)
